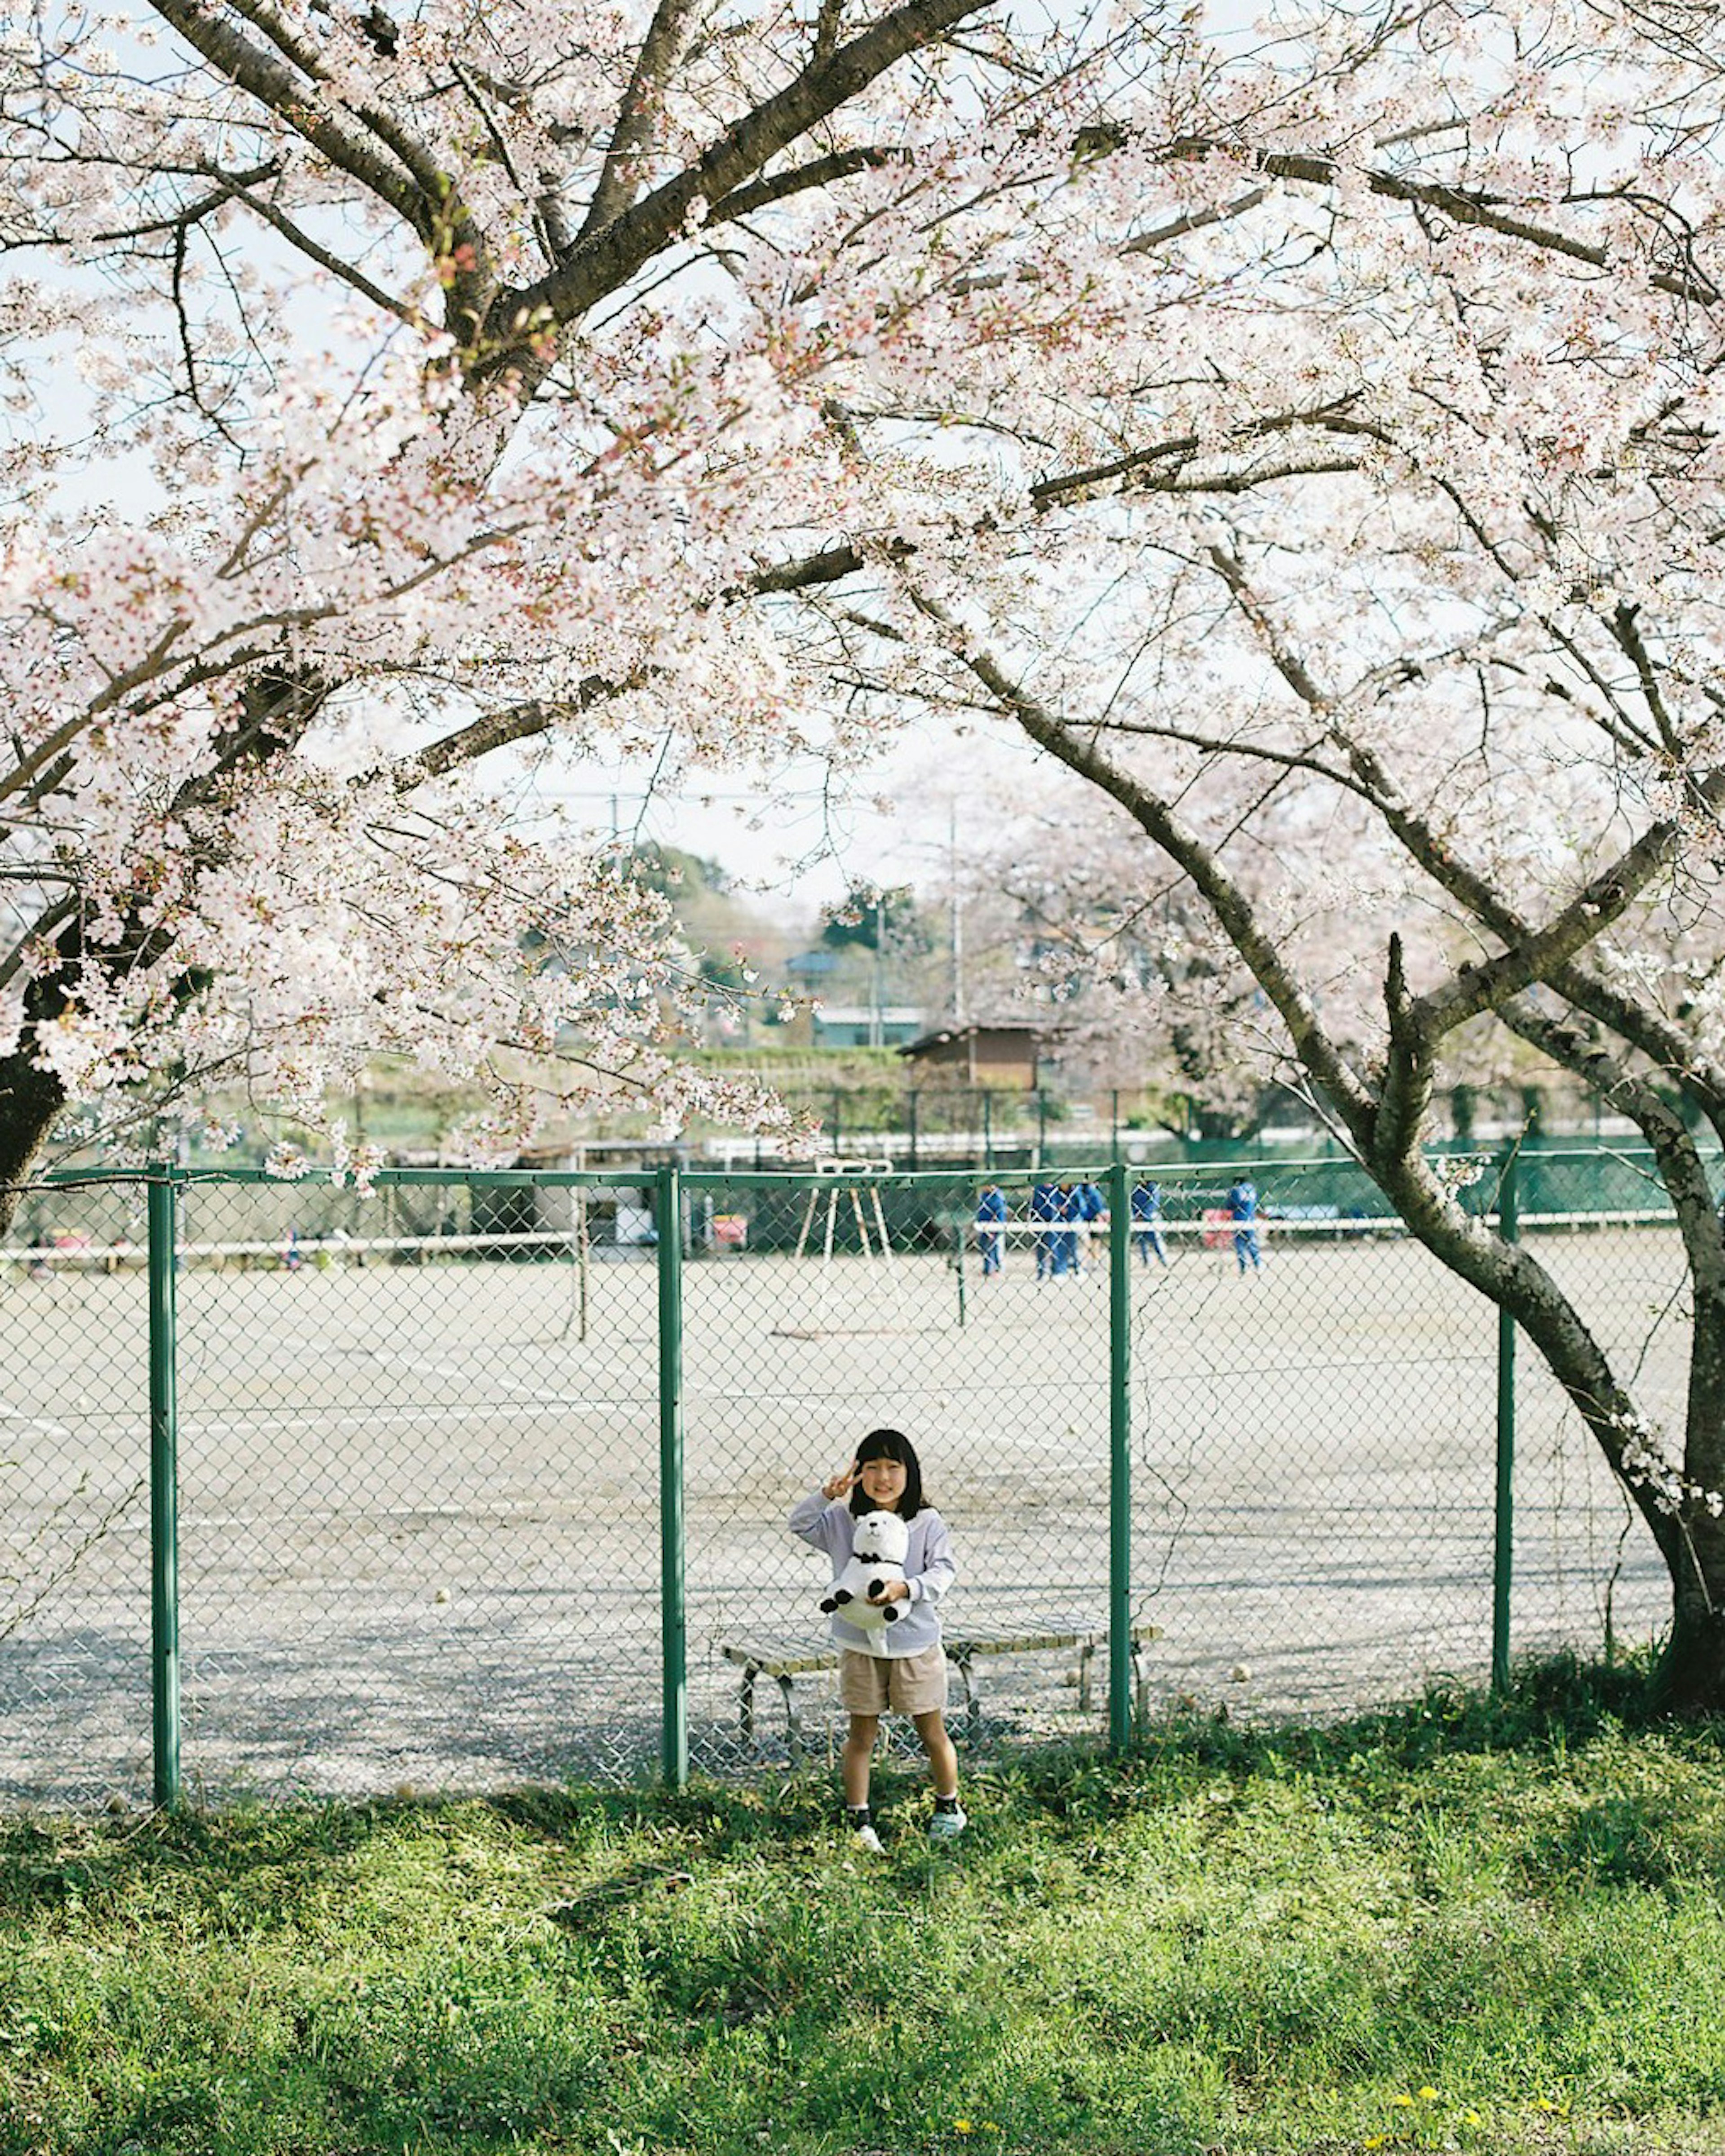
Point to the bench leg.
(973, 1700)
(746, 1704)
(1141, 1689)
(793, 1727)
(1086, 1655)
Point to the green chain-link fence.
(476, 1479)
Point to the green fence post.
(1120, 1459)
(674, 1629)
(160, 1214)
(1503, 1544)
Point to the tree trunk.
(1689, 1678)
(30, 1100)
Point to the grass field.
(1462, 1927)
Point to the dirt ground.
(420, 1534)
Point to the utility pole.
(877, 1029)
(956, 932)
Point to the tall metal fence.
(475, 1478)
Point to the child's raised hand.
(841, 1485)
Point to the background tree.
(735, 954)
(1119, 953)
(883, 922)
(1153, 998)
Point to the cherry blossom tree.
(1370, 566)
(1117, 951)
(404, 401)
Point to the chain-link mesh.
(74, 1497)
(418, 1487)
(1586, 1569)
(419, 1456)
(831, 1309)
(1314, 1440)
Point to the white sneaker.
(866, 1840)
(947, 1826)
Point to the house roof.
(867, 1013)
(1030, 1036)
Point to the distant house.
(809, 965)
(862, 1025)
(1006, 1057)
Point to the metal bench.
(786, 1660)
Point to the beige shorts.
(907, 1683)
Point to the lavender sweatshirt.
(928, 1567)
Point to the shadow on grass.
(274, 1863)
(1553, 1704)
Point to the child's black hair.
(891, 1445)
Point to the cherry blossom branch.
(819, 172)
(281, 90)
(1473, 207)
(1646, 1029)
(415, 155)
(632, 137)
(325, 259)
(1077, 746)
(520, 722)
(1551, 954)
(1328, 418)
(1682, 1173)
(1535, 956)
(608, 256)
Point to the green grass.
(1459, 1927)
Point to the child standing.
(899, 1667)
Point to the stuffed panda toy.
(879, 1542)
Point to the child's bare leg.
(858, 1755)
(942, 1759)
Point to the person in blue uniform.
(1045, 1206)
(991, 1241)
(1092, 1209)
(1146, 1222)
(1066, 1243)
(1242, 1206)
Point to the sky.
(794, 844)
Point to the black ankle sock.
(858, 1815)
(946, 1804)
